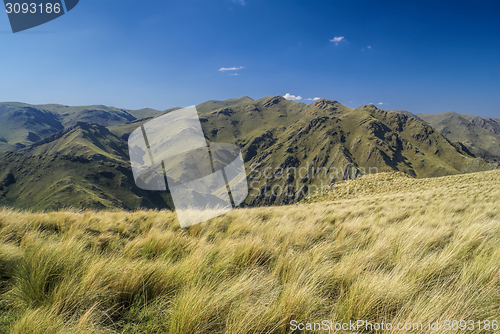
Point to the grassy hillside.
(75, 110)
(23, 124)
(297, 144)
(415, 252)
(327, 137)
(289, 148)
(398, 183)
(99, 114)
(481, 135)
(84, 166)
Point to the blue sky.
(420, 56)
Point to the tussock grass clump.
(409, 254)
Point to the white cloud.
(223, 69)
(241, 2)
(289, 96)
(233, 73)
(380, 103)
(313, 99)
(369, 46)
(337, 40)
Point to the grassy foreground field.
(401, 251)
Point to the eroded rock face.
(326, 104)
(251, 150)
(7, 180)
(479, 121)
(489, 124)
(274, 100)
(290, 161)
(223, 112)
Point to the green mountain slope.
(124, 130)
(23, 124)
(99, 114)
(84, 166)
(481, 135)
(307, 146)
(290, 149)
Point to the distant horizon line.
(309, 102)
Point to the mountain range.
(23, 124)
(481, 135)
(56, 156)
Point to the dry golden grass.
(406, 251)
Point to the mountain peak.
(370, 106)
(273, 100)
(325, 104)
(450, 114)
